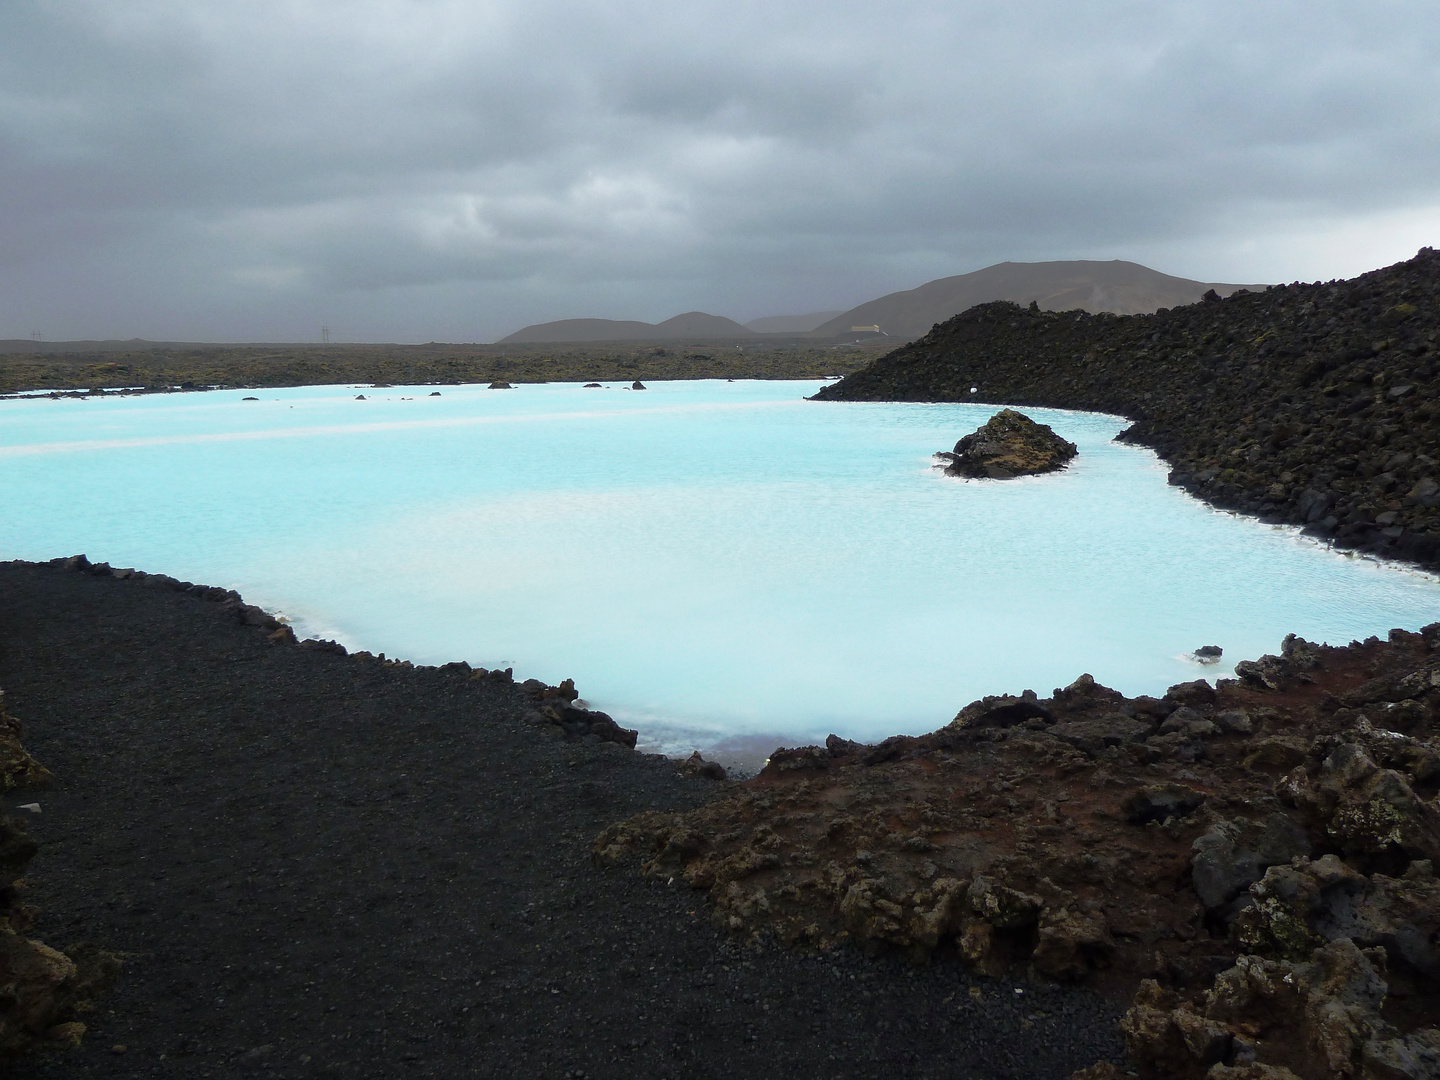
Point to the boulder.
(1279, 753)
(41, 988)
(1233, 855)
(1197, 694)
(1372, 813)
(1093, 736)
(1001, 711)
(1070, 943)
(1267, 1019)
(1189, 722)
(1009, 444)
(1002, 907)
(697, 766)
(17, 767)
(1297, 658)
(835, 746)
(578, 723)
(1156, 802)
(1309, 903)
(1233, 720)
(791, 759)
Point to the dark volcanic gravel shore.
(321, 865)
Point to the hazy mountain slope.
(692, 325)
(696, 324)
(1124, 288)
(791, 324)
(581, 330)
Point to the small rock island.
(1009, 444)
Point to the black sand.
(319, 865)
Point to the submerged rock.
(1009, 444)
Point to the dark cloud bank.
(407, 170)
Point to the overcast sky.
(414, 170)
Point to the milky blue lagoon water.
(708, 560)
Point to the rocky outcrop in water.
(1286, 818)
(559, 714)
(1313, 404)
(1007, 445)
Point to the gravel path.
(319, 865)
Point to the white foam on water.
(714, 563)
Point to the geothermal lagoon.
(720, 565)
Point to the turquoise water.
(708, 560)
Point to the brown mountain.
(581, 330)
(1125, 288)
(696, 324)
(691, 326)
(791, 324)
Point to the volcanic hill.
(1124, 288)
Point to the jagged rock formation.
(1309, 404)
(1095, 837)
(1009, 444)
(1321, 1016)
(697, 766)
(557, 715)
(42, 990)
(17, 767)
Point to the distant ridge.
(30, 345)
(791, 324)
(1125, 288)
(693, 325)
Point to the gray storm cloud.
(410, 170)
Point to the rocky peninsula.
(1312, 404)
(1007, 445)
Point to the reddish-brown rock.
(1088, 836)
